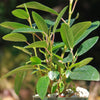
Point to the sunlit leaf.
(93, 26)
(15, 37)
(40, 22)
(23, 49)
(26, 30)
(13, 25)
(79, 29)
(20, 13)
(67, 35)
(38, 44)
(38, 6)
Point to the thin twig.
(74, 6)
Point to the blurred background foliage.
(11, 58)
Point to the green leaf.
(87, 73)
(79, 29)
(35, 60)
(20, 13)
(19, 69)
(61, 87)
(59, 18)
(54, 87)
(15, 37)
(38, 6)
(42, 86)
(40, 22)
(13, 25)
(38, 44)
(23, 49)
(53, 75)
(82, 63)
(18, 81)
(67, 35)
(69, 58)
(26, 30)
(93, 26)
(57, 45)
(87, 45)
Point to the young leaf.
(54, 87)
(59, 18)
(35, 60)
(38, 44)
(82, 63)
(93, 26)
(53, 75)
(19, 69)
(67, 35)
(26, 30)
(79, 28)
(15, 37)
(40, 22)
(87, 73)
(18, 81)
(42, 86)
(38, 6)
(23, 49)
(13, 25)
(67, 73)
(61, 87)
(20, 13)
(87, 45)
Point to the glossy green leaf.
(69, 58)
(93, 26)
(87, 73)
(87, 45)
(54, 87)
(59, 18)
(53, 75)
(38, 6)
(15, 37)
(26, 30)
(20, 13)
(23, 49)
(61, 87)
(79, 29)
(40, 22)
(67, 35)
(57, 45)
(35, 60)
(42, 86)
(82, 63)
(19, 69)
(18, 81)
(13, 25)
(38, 44)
